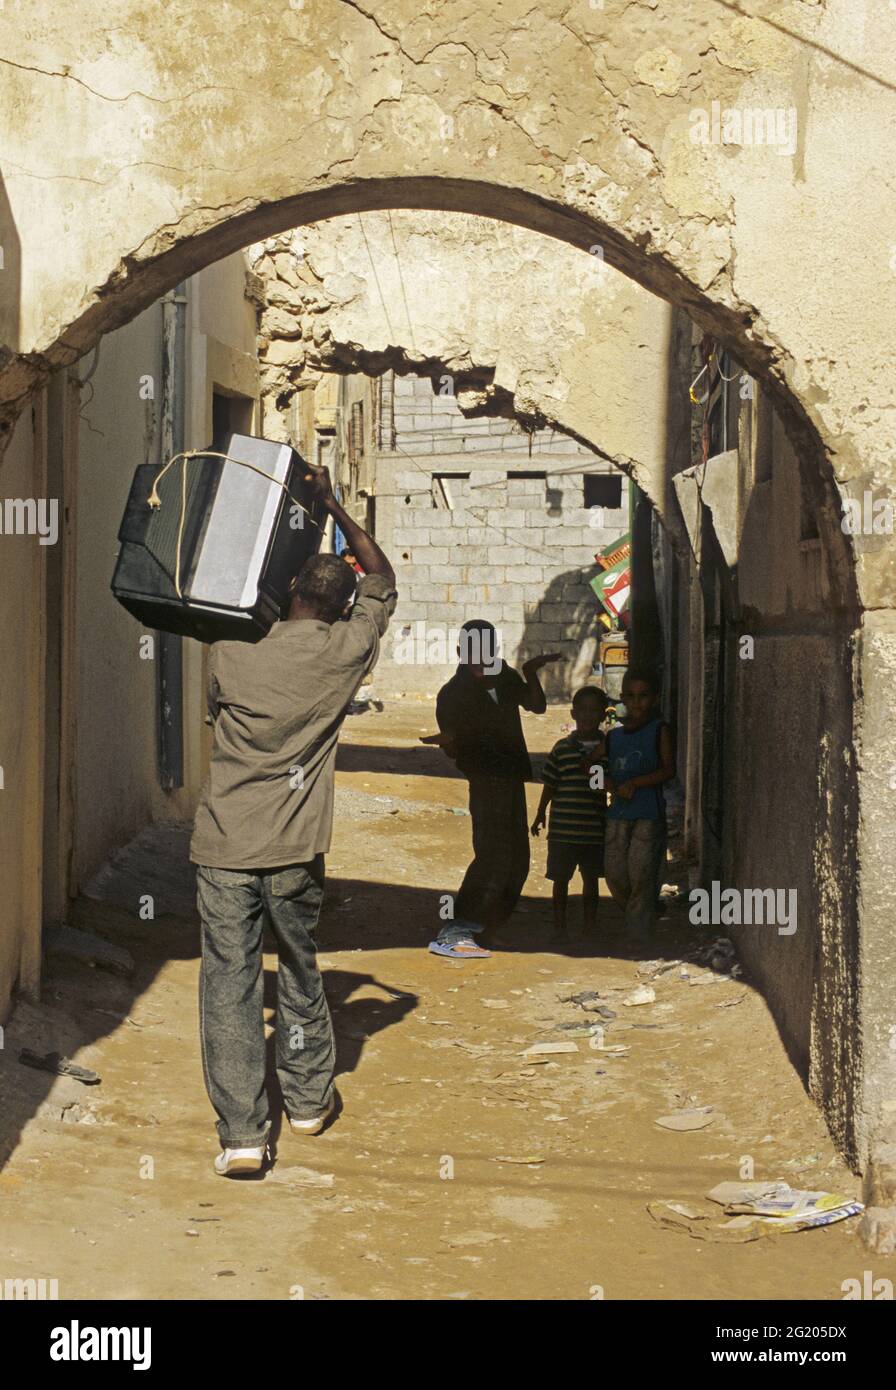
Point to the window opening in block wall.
(603, 490)
(447, 488)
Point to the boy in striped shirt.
(574, 789)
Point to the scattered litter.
(777, 1206)
(719, 955)
(543, 1049)
(580, 1029)
(675, 1216)
(301, 1177)
(458, 811)
(495, 1004)
(641, 994)
(697, 1118)
(59, 1066)
(730, 1003)
(798, 1164)
(616, 1050)
(587, 996)
(530, 1159)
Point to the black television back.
(241, 541)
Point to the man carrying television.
(262, 829)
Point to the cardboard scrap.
(778, 1206)
(677, 1216)
(696, 1118)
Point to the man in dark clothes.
(478, 714)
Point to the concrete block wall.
(516, 550)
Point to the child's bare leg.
(560, 898)
(590, 900)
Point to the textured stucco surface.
(138, 153)
(523, 327)
(154, 146)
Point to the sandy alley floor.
(118, 1199)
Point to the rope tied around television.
(155, 501)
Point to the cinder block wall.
(516, 550)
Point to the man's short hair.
(326, 583)
(587, 691)
(642, 673)
(478, 643)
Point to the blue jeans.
(232, 905)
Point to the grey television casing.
(240, 546)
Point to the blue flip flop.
(439, 948)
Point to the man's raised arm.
(363, 547)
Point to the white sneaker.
(316, 1125)
(230, 1161)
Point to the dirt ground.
(109, 1189)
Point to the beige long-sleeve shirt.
(277, 709)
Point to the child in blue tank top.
(640, 759)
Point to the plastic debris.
(780, 1207)
(549, 1049)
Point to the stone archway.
(161, 145)
(186, 137)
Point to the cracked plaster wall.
(534, 330)
(137, 153)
